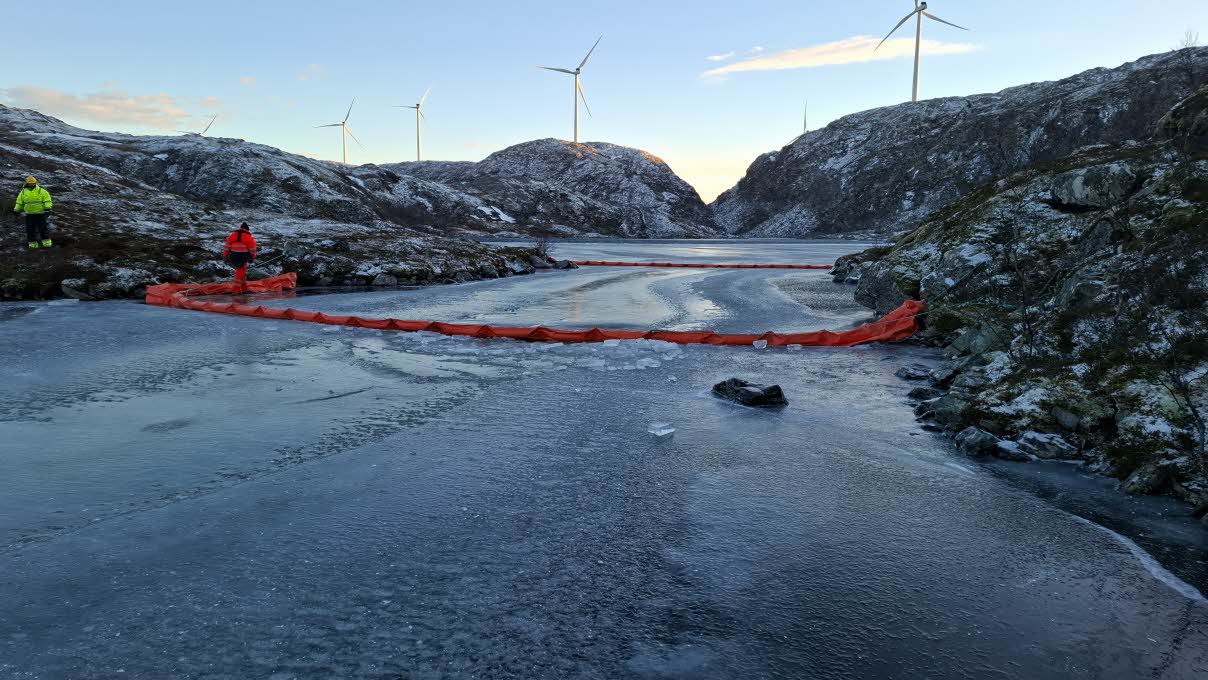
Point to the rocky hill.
(1072, 299)
(578, 189)
(132, 211)
(883, 171)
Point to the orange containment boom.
(898, 325)
(606, 263)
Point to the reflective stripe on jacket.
(33, 201)
(240, 241)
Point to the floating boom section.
(898, 325)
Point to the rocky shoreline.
(1071, 302)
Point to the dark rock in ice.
(748, 394)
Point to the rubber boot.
(33, 245)
(46, 243)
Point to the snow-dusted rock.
(575, 190)
(1096, 187)
(1047, 446)
(976, 442)
(882, 171)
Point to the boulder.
(923, 393)
(518, 267)
(1047, 446)
(949, 409)
(913, 372)
(1097, 187)
(76, 288)
(385, 279)
(879, 290)
(1151, 478)
(565, 264)
(1065, 418)
(976, 442)
(539, 262)
(749, 394)
(1009, 450)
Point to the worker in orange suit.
(239, 252)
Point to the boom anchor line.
(896, 326)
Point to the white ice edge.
(1151, 565)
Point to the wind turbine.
(920, 11)
(578, 86)
(345, 133)
(420, 119)
(805, 123)
(204, 131)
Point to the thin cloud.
(247, 80)
(756, 49)
(111, 105)
(312, 72)
(855, 50)
(720, 57)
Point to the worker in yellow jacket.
(35, 203)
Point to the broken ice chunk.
(661, 430)
(760, 344)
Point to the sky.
(707, 86)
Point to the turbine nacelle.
(920, 11)
(579, 96)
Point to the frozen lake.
(201, 496)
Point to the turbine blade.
(354, 101)
(584, 98)
(421, 99)
(593, 49)
(354, 137)
(559, 70)
(933, 17)
(332, 125)
(421, 115)
(207, 129)
(895, 28)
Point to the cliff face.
(573, 189)
(883, 171)
(1072, 299)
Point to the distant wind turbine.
(204, 131)
(805, 123)
(420, 119)
(345, 132)
(578, 86)
(920, 11)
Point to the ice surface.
(187, 495)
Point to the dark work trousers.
(36, 228)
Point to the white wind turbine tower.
(420, 119)
(345, 133)
(578, 86)
(920, 11)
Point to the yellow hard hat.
(31, 180)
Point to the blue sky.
(274, 69)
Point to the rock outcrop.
(568, 189)
(882, 171)
(1072, 302)
(136, 210)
